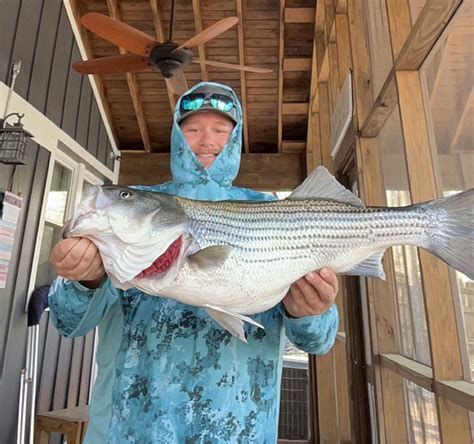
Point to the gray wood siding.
(30, 182)
(38, 33)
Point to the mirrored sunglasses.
(193, 102)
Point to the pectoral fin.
(210, 258)
(232, 322)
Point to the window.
(68, 179)
(422, 415)
(56, 210)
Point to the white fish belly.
(238, 286)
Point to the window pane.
(58, 195)
(448, 78)
(411, 308)
(51, 235)
(422, 415)
(379, 43)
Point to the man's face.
(206, 134)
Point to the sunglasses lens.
(221, 103)
(192, 102)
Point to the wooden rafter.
(201, 49)
(160, 35)
(243, 85)
(114, 12)
(90, 55)
(281, 55)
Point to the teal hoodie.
(167, 373)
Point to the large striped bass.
(237, 258)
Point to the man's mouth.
(164, 262)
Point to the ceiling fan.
(167, 57)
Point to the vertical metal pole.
(19, 431)
(34, 373)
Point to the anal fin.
(371, 267)
(232, 322)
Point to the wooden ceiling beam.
(299, 15)
(97, 79)
(243, 85)
(268, 172)
(201, 49)
(160, 35)
(114, 11)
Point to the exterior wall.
(12, 298)
(38, 33)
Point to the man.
(167, 372)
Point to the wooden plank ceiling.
(276, 35)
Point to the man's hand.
(312, 294)
(78, 259)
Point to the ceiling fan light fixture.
(167, 60)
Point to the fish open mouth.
(164, 262)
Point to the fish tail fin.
(454, 240)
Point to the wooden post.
(381, 295)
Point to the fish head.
(132, 229)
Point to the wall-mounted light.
(13, 141)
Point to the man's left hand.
(313, 294)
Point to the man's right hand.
(78, 259)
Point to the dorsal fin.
(322, 184)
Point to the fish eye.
(125, 194)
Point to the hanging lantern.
(13, 141)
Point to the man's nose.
(206, 140)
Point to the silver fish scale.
(275, 243)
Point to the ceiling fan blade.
(232, 66)
(177, 83)
(119, 33)
(210, 33)
(117, 64)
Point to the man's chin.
(207, 162)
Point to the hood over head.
(190, 178)
(185, 166)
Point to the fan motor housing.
(167, 61)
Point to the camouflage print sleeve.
(76, 310)
(313, 334)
